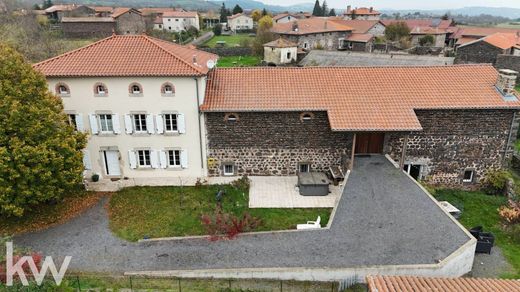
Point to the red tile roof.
(363, 11)
(237, 15)
(86, 19)
(122, 10)
(180, 14)
(128, 55)
(358, 26)
(360, 37)
(158, 10)
(500, 40)
(428, 22)
(420, 30)
(310, 26)
(479, 32)
(417, 284)
(281, 43)
(356, 98)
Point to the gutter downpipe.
(199, 119)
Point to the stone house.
(445, 125)
(138, 99)
(464, 35)
(129, 21)
(240, 22)
(288, 17)
(81, 27)
(438, 34)
(280, 52)
(487, 49)
(314, 33)
(362, 13)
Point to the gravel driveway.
(383, 218)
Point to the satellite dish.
(210, 64)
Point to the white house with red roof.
(361, 13)
(138, 99)
(240, 21)
(176, 21)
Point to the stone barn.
(487, 49)
(280, 52)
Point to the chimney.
(371, 9)
(325, 25)
(349, 9)
(506, 81)
(195, 59)
(295, 26)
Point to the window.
(105, 123)
(229, 169)
(468, 176)
(288, 55)
(167, 89)
(140, 123)
(304, 117)
(231, 118)
(174, 158)
(304, 167)
(414, 170)
(305, 45)
(135, 88)
(100, 89)
(170, 123)
(62, 89)
(143, 158)
(72, 121)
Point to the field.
(239, 61)
(231, 40)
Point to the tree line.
(323, 10)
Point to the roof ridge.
(357, 67)
(74, 51)
(154, 41)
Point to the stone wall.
(274, 144)
(478, 52)
(508, 62)
(453, 141)
(87, 29)
(225, 52)
(326, 41)
(130, 23)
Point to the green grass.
(239, 61)
(482, 209)
(153, 212)
(231, 40)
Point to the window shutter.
(79, 122)
(163, 159)
(93, 123)
(181, 125)
(184, 158)
(86, 160)
(153, 159)
(160, 124)
(132, 159)
(115, 123)
(128, 124)
(149, 124)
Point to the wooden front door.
(369, 143)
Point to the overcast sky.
(407, 4)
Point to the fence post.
(79, 285)
(281, 286)
(131, 286)
(180, 287)
(229, 284)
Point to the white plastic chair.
(310, 224)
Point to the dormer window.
(100, 89)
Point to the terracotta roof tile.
(128, 55)
(180, 14)
(363, 11)
(310, 26)
(358, 26)
(479, 32)
(416, 284)
(86, 19)
(503, 40)
(237, 15)
(356, 98)
(122, 10)
(281, 43)
(360, 37)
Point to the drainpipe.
(351, 165)
(403, 154)
(509, 138)
(200, 126)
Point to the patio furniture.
(336, 174)
(485, 240)
(450, 209)
(310, 224)
(313, 184)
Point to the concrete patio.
(282, 192)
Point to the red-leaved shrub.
(223, 225)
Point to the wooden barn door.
(369, 143)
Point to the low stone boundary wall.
(508, 62)
(226, 52)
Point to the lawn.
(47, 215)
(481, 209)
(239, 61)
(152, 212)
(231, 40)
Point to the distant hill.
(252, 4)
(512, 13)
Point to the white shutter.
(184, 158)
(116, 124)
(153, 159)
(160, 124)
(129, 126)
(79, 123)
(86, 160)
(149, 124)
(181, 125)
(93, 123)
(132, 160)
(163, 159)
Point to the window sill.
(101, 95)
(106, 134)
(174, 168)
(175, 133)
(64, 94)
(144, 168)
(168, 94)
(141, 134)
(135, 95)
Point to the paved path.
(383, 218)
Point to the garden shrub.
(222, 225)
(495, 181)
(242, 183)
(511, 213)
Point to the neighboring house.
(210, 19)
(129, 21)
(487, 49)
(362, 13)
(280, 52)
(138, 98)
(57, 12)
(445, 125)
(363, 34)
(177, 21)
(240, 22)
(284, 17)
(438, 34)
(82, 27)
(463, 35)
(440, 29)
(314, 33)
(415, 284)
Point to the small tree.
(445, 16)
(332, 12)
(217, 29)
(237, 9)
(397, 30)
(427, 40)
(324, 8)
(264, 12)
(40, 153)
(223, 13)
(47, 4)
(256, 15)
(263, 34)
(317, 9)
